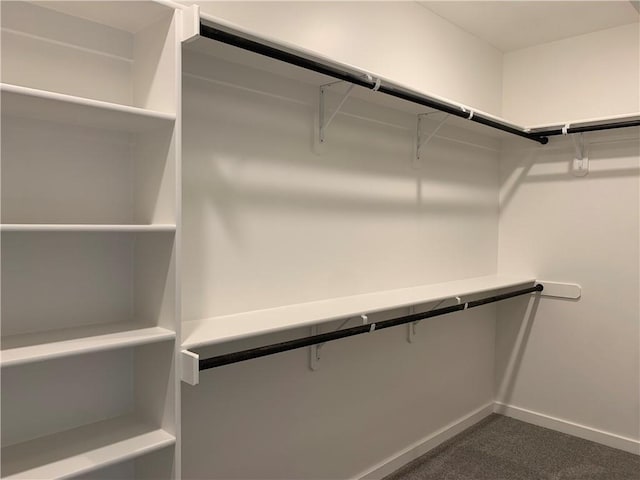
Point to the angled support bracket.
(323, 122)
(190, 367)
(580, 166)
(314, 350)
(422, 139)
(412, 327)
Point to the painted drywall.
(402, 41)
(577, 361)
(588, 76)
(267, 222)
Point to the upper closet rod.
(362, 80)
(587, 127)
(258, 352)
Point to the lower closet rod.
(258, 352)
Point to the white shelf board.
(210, 331)
(586, 121)
(37, 227)
(68, 109)
(83, 449)
(33, 347)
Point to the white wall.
(588, 76)
(402, 41)
(267, 222)
(575, 361)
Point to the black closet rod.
(592, 127)
(361, 80)
(258, 352)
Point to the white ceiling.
(512, 25)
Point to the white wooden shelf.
(37, 227)
(586, 121)
(83, 449)
(68, 109)
(210, 331)
(32, 347)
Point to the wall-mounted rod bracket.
(580, 164)
(190, 367)
(422, 139)
(314, 350)
(570, 291)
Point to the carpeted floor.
(501, 448)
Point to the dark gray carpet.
(501, 448)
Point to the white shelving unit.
(90, 238)
(211, 331)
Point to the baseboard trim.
(605, 438)
(394, 462)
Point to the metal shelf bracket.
(411, 327)
(323, 123)
(314, 350)
(422, 139)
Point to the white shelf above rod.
(192, 363)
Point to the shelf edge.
(15, 358)
(191, 338)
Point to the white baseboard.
(606, 438)
(394, 462)
(391, 464)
